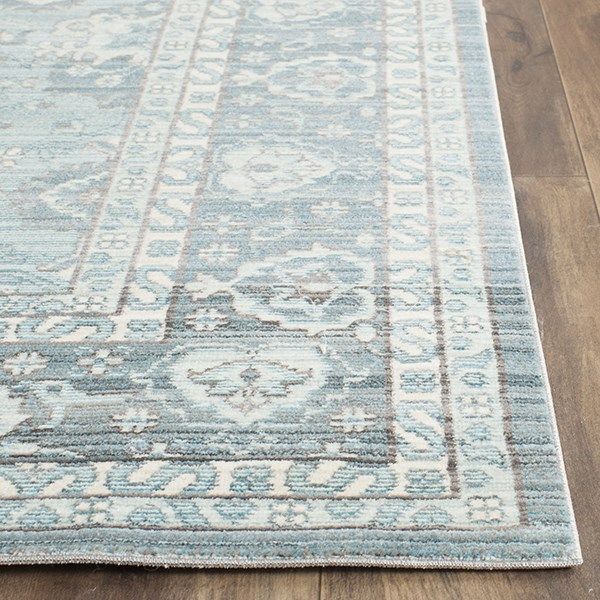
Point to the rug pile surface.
(263, 297)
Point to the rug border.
(578, 557)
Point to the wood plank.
(574, 27)
(129, 583)
(536, 118)
(285, 584)
(561, 231)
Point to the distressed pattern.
(262, 293)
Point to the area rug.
(264, 300)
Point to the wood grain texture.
(561, 231)
(574, 27)
(129, 583)
(535, 113)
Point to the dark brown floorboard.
(574, 27)
(536, 117)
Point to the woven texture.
(263, 299)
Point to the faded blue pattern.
(262, 296)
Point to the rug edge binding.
(177, 562)
(519, 244)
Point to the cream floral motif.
(245, 386)
(25, 363)
(296, 10)
(100, 362)
(272, 169)
(312, 290)
(323, 78)
(353, 420)
(486, 510)
(286, 514)
(476, 405)
(93, 510)
(218, 253)
(135, 420)
(206, 319)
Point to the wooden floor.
(547, 60)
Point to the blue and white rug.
(263, 297)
